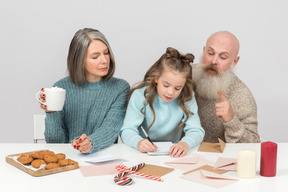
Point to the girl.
(164, 105)
(95, 106)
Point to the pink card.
(96, 170)
(228, 164)
(209, 178)
(190, 162)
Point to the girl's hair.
(175, 61)
(78, 51)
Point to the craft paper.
(96, 170)
(163, 148)
(189, 163)
(207, 168)
(209, 178)
(229, 164)
(155, 170)
(212, 147)
(97, 157)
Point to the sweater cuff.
(187, 141)
(233, 129)
(233, 123)
(134, 142)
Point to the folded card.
(207, 168)
(209, 178)
(190, 162)
(212, 147)
(229, 164)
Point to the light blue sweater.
(168, 117)
(95, 108)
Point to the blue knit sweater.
(95, 108)
(168, 117)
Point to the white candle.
(246, 164)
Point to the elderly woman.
(95, 105)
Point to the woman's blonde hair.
(78, 51)
(173, 60)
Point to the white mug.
(55, 98)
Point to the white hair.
(208, 85)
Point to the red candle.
(268, 159)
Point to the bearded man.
(226, 107)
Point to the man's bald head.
(225, 38)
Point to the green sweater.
(95, 108)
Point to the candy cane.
(120, 179)
(124, 169)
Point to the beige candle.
(246, 164)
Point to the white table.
(17, 180)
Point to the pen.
(146, 135)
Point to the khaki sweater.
(242, 128)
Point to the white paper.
(163, 148)
(29, 166)
(98, 157)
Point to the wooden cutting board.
(40, 172)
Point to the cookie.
(64, 162)
(37, 163)
(52, 166)
(60, 156)
(51, 159)
(25, 159)
(38, 155)
(48, 153)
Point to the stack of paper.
(163, 148)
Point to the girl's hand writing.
(144, 145)
(179, 149)
(83, 144)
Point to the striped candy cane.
(120, 179)
(124, 169)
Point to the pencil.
(146, 135)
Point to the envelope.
(96, 170)
(212, 147)
(207, 168)
(229, 164)
(209, 178)
(190, 162)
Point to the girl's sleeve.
(133, 120)
(194, 133)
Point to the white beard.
(208, 85)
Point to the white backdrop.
(35, 36)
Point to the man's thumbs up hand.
(223, 108)
(222, 96)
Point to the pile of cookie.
(48, 158)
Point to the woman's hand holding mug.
(51, 99)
